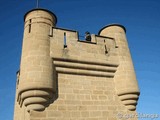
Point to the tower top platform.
(41, 9)
(114, 24)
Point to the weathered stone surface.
(63, 78)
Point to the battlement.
(98, 47)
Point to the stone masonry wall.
(83, 98)
(64, 78)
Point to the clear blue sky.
(140, 17)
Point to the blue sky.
(140, 17)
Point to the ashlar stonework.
(64, 78)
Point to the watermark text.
(138, 115)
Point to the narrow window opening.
(105, 46)
(18, 75)
(30, 25)
(65, 41)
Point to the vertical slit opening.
(106, 51)
(30, 20)
(65, 41)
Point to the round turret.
(125, 78)
(35, 90)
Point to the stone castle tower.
(63, 78)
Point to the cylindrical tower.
(35, 89)
(125, 78)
